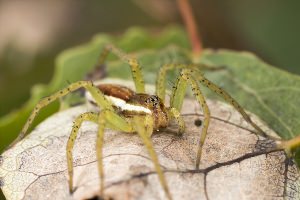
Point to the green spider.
(137, 112)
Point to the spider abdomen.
(120, 97)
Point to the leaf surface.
(270, 93)
(236, 164)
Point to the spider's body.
(128, 104)
(137, 112)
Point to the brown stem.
(189, 21)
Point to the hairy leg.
(89, 116)
(105, 118)
(134, 65)
(162, 74)
(88, 85)
(137, 77)
(108, 118)
(161, 79)
(179, 90)
(189, 75)
(174, 113)
(207, 83)
(144, 127)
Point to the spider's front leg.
(177, 98)
(191, 75)
(162, 74)
(176, 101)
(143, 125)
(108, 118)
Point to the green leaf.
(73, 65)
(270, 93)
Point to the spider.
(138, 112)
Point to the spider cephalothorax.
(154, 105)
(138, 112)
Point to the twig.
(189, 21)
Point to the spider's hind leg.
(162, 74)
(100, 99)
(134, 65)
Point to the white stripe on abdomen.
(126, 106)
(120, 103)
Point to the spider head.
(159, 111)
(153, 101)
(155, 105)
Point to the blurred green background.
(33, 32)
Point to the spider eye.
(153, 100)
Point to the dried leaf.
(236, 163)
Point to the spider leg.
(161, 79)
(162, 74)
(204, 81)
(177, 99)
(145, 132)
(88, 85)
(89, 116)
(191, 76)
(108, 117)
(174, 113)
(134, 65)
(114, 121)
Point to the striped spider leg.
(190, 75)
